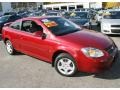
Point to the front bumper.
(112, 29)
(110, 32)
(93, 65)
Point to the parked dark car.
(80, 18)
(54, 13)
(10, 13)
(23, 15)
(38, 13)
(66, 14)
(7, 19)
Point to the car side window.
(30, 26)
(15, 25)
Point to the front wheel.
(65, 65)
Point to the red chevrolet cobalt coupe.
(60, 42)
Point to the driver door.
(32, 44)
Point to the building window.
(71, 7)
(79, 6)
(56, 8)
(49, 8)
(64, 7)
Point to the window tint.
(60, 26)
(15, 25)
(30, 26)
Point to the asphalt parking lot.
(24, 71)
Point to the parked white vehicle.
(110, 24)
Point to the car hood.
(87, 38)
(112, 21)
(79, 21)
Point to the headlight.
(92, 52)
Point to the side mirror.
(40, 34)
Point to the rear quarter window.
(16, 25)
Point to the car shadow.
(82, 74)
(19, 53)
(112, 73)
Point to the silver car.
(110, 24)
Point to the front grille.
(115, 25)
(115, 30)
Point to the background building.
(69, 6)
(111, 5)
(95, 4)
(66, 6)
(16, 6)
(5, 7)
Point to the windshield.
(112, 15)
(4, 18)
(82, 15)
(60, 26)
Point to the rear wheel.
(9, 47)
(65, 65)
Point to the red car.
(60, 42)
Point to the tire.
(9, 47)
(65, 65)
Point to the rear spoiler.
(7, 24)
